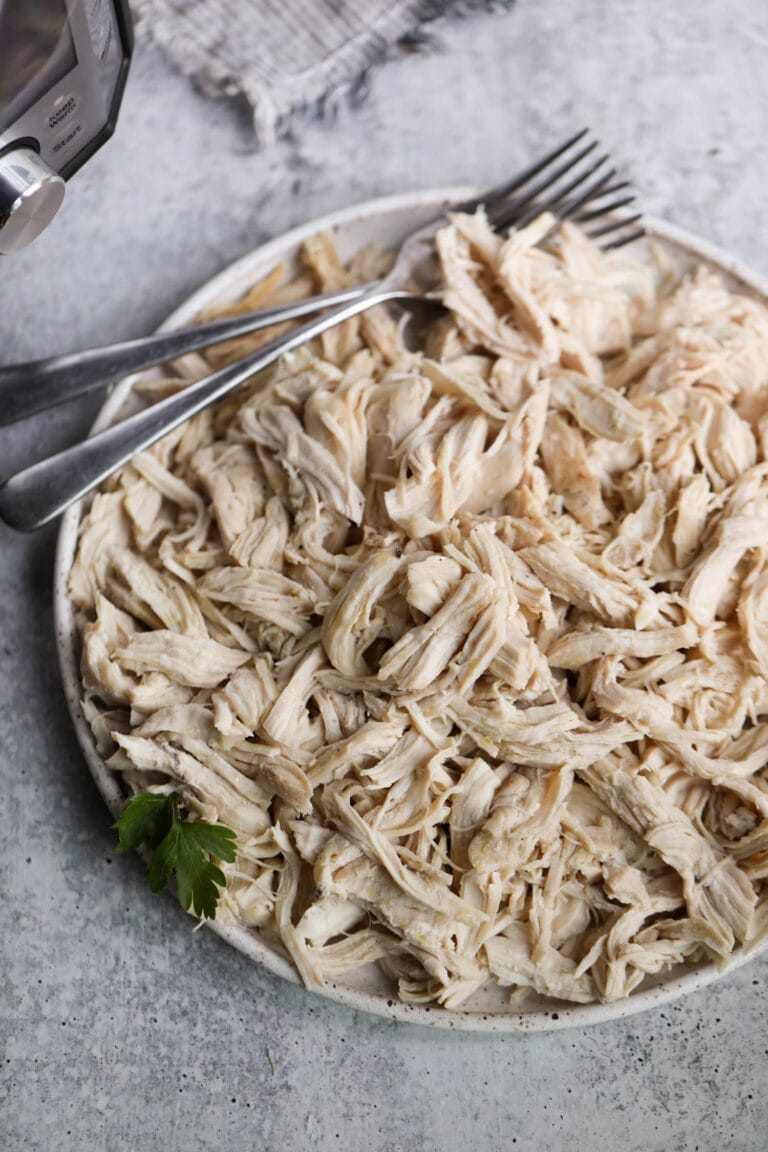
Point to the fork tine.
(501, 191)
(614, 226)
(518, 205)
(585, 217)
(550, 192)
(559, 202)
(521, 213)
(615, 188)
(594, 192)
(636, 235)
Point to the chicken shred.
(468, 644)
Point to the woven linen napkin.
(285, 56)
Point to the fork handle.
(41, 384)
(38, 494)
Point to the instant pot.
(63, 67)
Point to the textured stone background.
(120, 1029)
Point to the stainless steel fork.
(549, 184)
(568, 182)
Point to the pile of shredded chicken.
(469, 645)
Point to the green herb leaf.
(179, 846)
(213, 839)
(163, 860)
(145, 819)
(198, 878)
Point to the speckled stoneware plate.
(385, 221)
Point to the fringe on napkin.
(290, 58)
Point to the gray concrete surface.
(120, 1029)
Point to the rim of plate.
(234, 279)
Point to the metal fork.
(560, 182)
(37, 385)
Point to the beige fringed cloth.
(286, 57)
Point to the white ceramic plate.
(385, 221)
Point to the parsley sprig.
(179, 846)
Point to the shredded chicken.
(468, 644)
